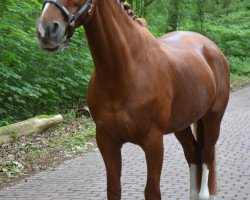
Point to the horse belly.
(194, 85)
(189, 107)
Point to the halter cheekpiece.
(72, 18)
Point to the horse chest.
(125, 120)
(117, 124)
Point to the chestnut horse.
(143, 88)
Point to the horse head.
(59, 19)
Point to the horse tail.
(198, 128)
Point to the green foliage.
(34, 82)
(230, 31)
(229, 27)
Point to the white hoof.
(204, 195)
(204, 191)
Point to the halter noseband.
(72, 18)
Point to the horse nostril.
(38, 34)
(54, 29)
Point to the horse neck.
(110, 34)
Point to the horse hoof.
(204, 196)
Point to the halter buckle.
(72, 21)
(90, 9)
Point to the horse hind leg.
(192, 155)
(209, 131)
(199, 150)
(210, 135)
(207, 137)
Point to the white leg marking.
(204, 192)
(193, 188)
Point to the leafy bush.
(229, 30)
(32, 81)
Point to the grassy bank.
(31, 154)
(239, 81)
(240, 72)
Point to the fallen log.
(30, 126)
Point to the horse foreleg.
(191, 152)
(111, 153)
(153, 148)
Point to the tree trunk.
(226, 6)
(138, 7)
(34, 125)
(173, 16)
(201, 11)
(214, 7)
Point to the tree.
(226, 6)
(201, 12)
(140, 6)
(173, 16)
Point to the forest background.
(34, 82)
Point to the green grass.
(240, 72)
(14, 135)
(238, 81)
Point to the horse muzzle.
(50, 35)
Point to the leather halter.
(72, 18)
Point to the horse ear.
(142, 21)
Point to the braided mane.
(127, 7)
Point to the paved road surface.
(84, 177)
